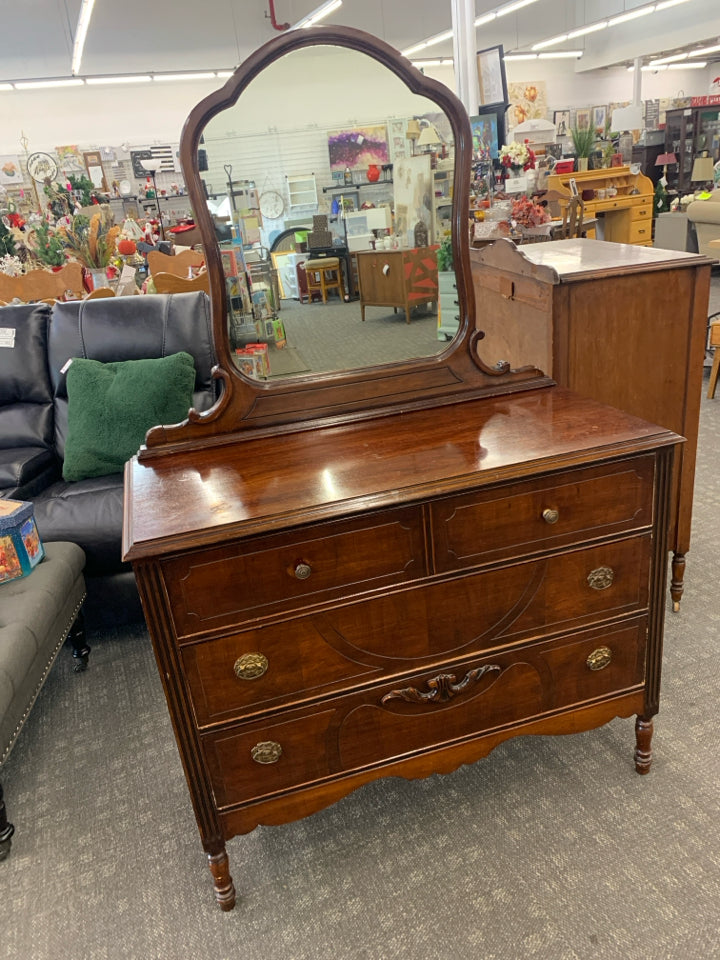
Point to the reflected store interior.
(330, 184)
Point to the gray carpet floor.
(550, 848)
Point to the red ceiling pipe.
(273, 18)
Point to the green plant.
(445, 255)
(583, 141)
(47, 247)
(83, 184)
(7, 242)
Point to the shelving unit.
(302, 191)
(689, 133)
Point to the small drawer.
(536, 515)
(640, 231)
(642, 212)
(421, 711)
(227, 585)
(381, 637)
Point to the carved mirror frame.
(249, 408)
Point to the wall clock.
(272, 205)
(42, 167)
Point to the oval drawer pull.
(250, 666)
(266, 752)
(601, 578)
(600, 658)
(550, 515)
(302, 570)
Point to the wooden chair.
(100, 293)
(44, 284)
(714, 341)
(179, 264)
(324, 274)
(169, 283)
(573, 213)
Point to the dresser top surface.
(265, 484)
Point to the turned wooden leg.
(6, 829)
(222, 881)
(643, 751)
(81, 650)
(678, 577)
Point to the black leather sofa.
(33, 404)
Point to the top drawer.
(246, 579)
(542, 514)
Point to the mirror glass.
(323, 133)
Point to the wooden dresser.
(397, 278)
(399, 596)
(622, 201)
(389, 570)
(621, 324)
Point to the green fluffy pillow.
(111, 406)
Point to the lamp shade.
(664, 159)
(703, 169)
(413, 129)
(428, 136)
(627, 118)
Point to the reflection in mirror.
(330, 185)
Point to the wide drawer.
(534, 515)
(640, 231)
(423, 711)
(360, 643)
(251, 578)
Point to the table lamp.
(703, 171)
(429, 137)
(151, 167)
(412, 133)
(663, 159)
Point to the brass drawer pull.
(550, 515)
(250, 666)
(302, 570)
(600, 658)
(266, 752)
(601, 578)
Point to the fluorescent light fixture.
(441, 62)
(668, 3)
(631, 15)
(485, 18)
(6, 86)
(324, 10)
(93, 81)
(40, 84)
(561, 55)
(560, 38)
(673, 59)
(520, 56)
(224, 74)
(688, 65)
(164, 77)
(81, 30)
(512, 7)
(431, 41)
(591, 28)
(704, 51)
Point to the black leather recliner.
(87, 512)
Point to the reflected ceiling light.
(324, 10)
(631, 15)
(163, 77)
(135, 79)
(440, 62)
(224, 74)
(81, 30)
(689, 65)
(520, 56)
(668, 3)
(512, 7)
(6, 86)
(561, 55)
(560, 38)
(703, 51)
(485, 18)
(39, 84)
(673, 59)
(591, 28)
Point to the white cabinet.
(302, 191)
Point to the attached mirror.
(324, 177)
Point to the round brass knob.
(266, 752)
(302, 570)
(600, 658)
(250, 666)
(601, 578)
(550, 515)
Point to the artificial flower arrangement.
(517, 156)
(91, 240)
(528, 214)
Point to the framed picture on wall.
(491, 76)
(561, 119)
(496, 115)
(583, 118)
(486, 145)
(599, 119)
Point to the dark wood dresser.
(397, 597)
(623, 324)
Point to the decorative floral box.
(20, 546)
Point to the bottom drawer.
(640, 231)
(415, 714)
